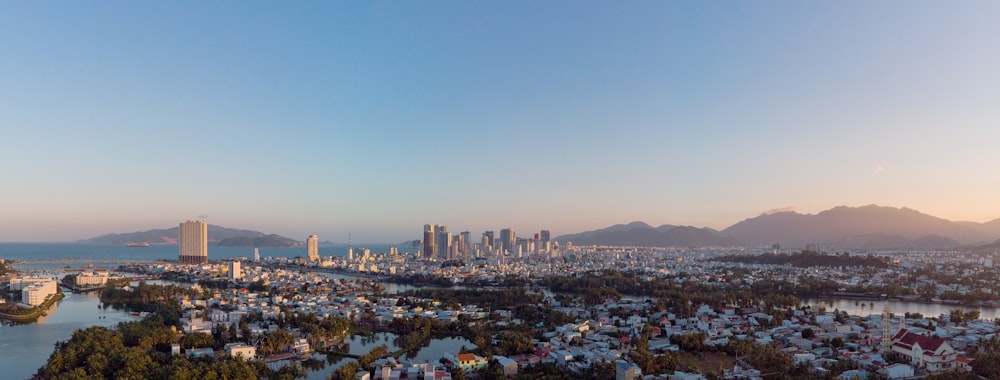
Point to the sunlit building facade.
(193, 242)
(312, 248)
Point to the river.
(360, 345)
(26, 347)
(867, 307)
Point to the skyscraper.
(507, 239)
(488, 239)
(193, 242)
(464, 243)
(545, 245)
(312, 248)
(443, 242)
(430, 232)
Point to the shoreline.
(39, 312)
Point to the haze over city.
(377, 118)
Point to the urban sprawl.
(534, 308)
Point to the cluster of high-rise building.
(439, 243)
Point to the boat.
(140, 244)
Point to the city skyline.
(373, 119)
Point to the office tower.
(488, 239)
(464, 243)
(543, 241)
(507, 239)
(430, 232)
(443, 242)
(193, 242)
(256, 254)
(234, 270)
(312, 248)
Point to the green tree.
(808, 333)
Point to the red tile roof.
(907, 339)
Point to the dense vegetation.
(491, 299)
(669, 294)
(6, 269)
(139, 350)
(806, 259)
(421, 279)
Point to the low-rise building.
(241, 350)
(36, 293)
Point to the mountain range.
(644, 235)
(216, 235)
(869, 227)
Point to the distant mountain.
(867, 227)
(643, 235)
(260, 241)
(216, 234)
(987, 249)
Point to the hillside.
(260, 241)
(643, 235)
(867, 227)
(216, 234)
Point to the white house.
(241, 350)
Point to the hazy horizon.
(376, 118)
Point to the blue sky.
(374, 118)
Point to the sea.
(25, 347)
(88, 251)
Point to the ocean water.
(25, 347)
(90, 251)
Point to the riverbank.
(35, 313)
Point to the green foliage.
(987, 360)
(6, 269)
(808, 333)
(515, 342)
(651, 363)
(345, 372)
(157, 299)
(136, 351)
(806, 259)
(596, 287)
(493, 299)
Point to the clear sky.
(374, 118)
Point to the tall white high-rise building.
(312, 248)
(256, 254)
(193, 242)
(234, 270)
